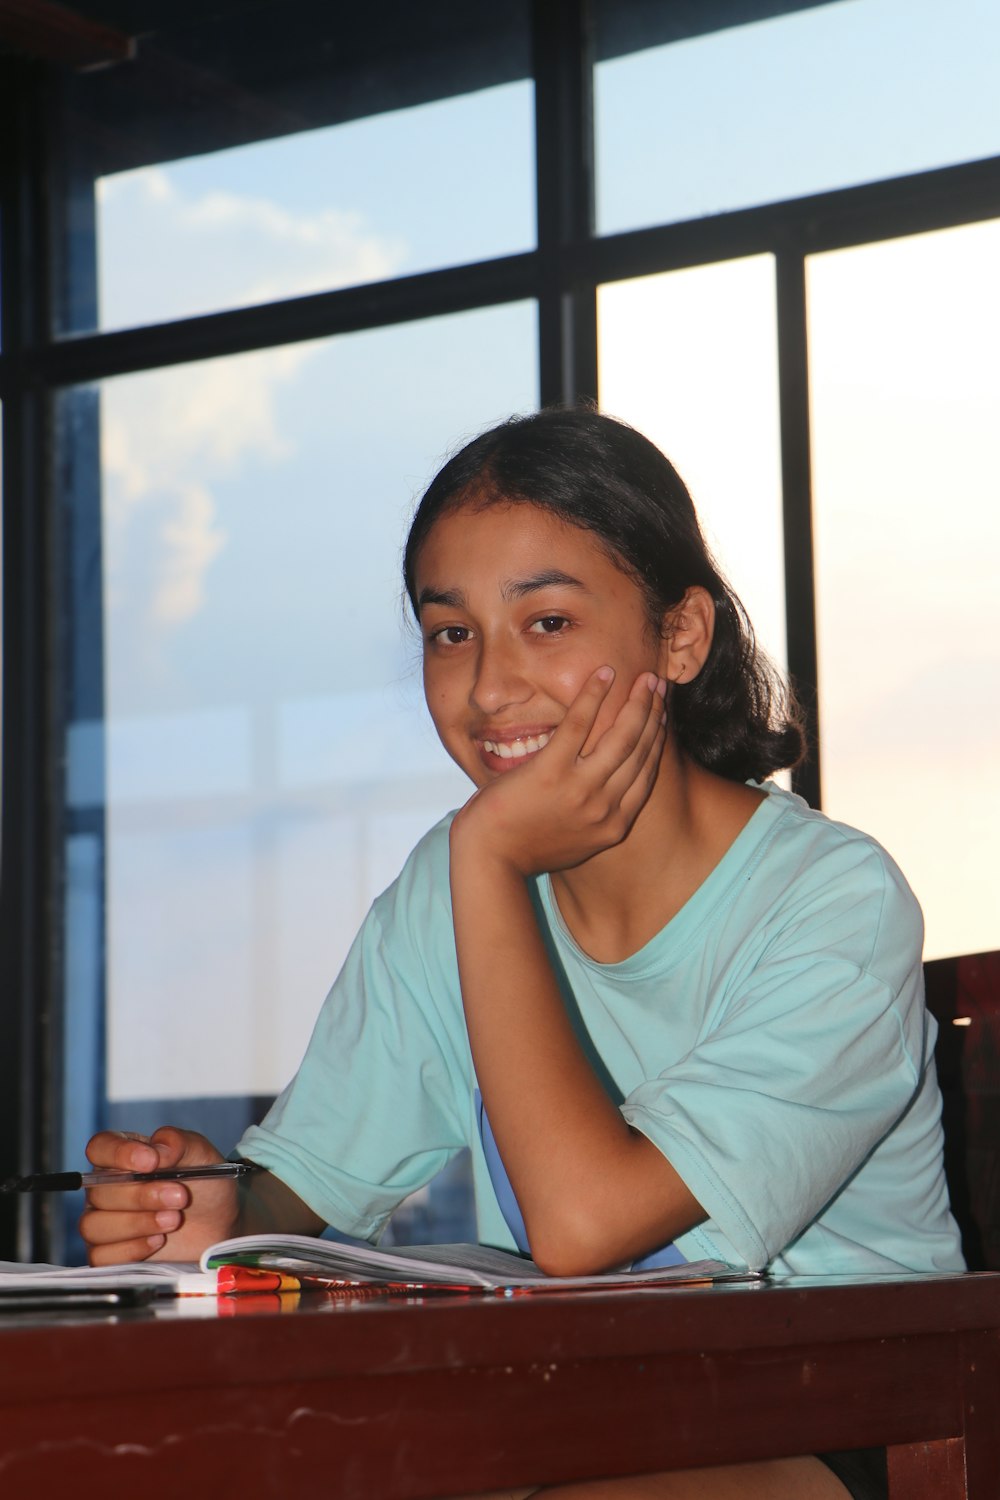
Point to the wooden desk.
(393, 1399)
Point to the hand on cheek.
(608, 708)
(582, 793)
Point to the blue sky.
(830, 96)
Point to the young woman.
(674, 1012)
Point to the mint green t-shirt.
(771, 1041)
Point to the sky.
(269, 763)
(837, 94)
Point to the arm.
(593, 1192)
(803, 1117)
(176, 1220)
(376, 1109)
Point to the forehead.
(509, 541)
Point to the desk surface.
(436, 1395)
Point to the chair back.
(964, 995)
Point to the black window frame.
(41, 675)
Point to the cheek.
(571, 685)
(440, 710)
(565, 678)
(437, 697)
(630, 658)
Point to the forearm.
(266, 1205)
(593, 1192)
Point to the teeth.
(519, 748)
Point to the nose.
(499, 679)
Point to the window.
(268, 759)
(905, 388)
(258, 278)
(811, 98)
(437, 184)
(690, 357)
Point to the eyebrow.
(517, 588)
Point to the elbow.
(563, 1262)
(573, 1246)
(577, 1239)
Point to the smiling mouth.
(517, 749)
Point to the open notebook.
(277, 1262)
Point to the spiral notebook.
(276, 1262)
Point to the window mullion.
(796, 475)
(564, 125)
(30, 872)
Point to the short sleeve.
(815, 1057)
(375, 1110)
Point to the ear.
(687, 636)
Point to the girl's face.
(517, 609)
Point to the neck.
(615, 902)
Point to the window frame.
(43, 671)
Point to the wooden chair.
(964, 995)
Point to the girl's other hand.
(569, 802)
(155, 1220)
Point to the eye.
(449, 635)
(549, 625)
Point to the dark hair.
(736, 717)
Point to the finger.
(628, 763)
(183, 1148)
(126, 1250)
(649, 692)
(123, 1149)
(166, 1147)
(633, 792)
(648, 696)
(117, 1229)
(104, 1229)
(138, 1197)
(573, 733)
(624, 738)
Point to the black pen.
(68, 1182)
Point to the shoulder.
(427, 861)
(842, 884)
(420, 896)
(405, 946)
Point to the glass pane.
(690, 358)
(905, 389)
(818, 98)
(303, 149)
(268, 760)
(436, 185)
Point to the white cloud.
(191, 540)
(168, 253)
(167, 436)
